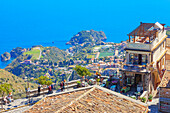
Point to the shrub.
(133, 97)
(143, 99)
(150, 97)
(13, 90)
(78, 82)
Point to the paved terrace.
(19, 105)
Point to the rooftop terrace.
(146, 36)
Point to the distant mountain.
(87, 36)
(18, 84)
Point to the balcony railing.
(131, 67)
(139, 46)
(146, 45)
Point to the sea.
(25, 23)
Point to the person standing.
(9, 97)
(5, 99)
(62, 85)
(52, 86)
(39, 89)
(49, 89)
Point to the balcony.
(144, 44)
(134, 68)
(139, 46)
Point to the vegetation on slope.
(17, 83)
(5, 57)
(15, 52)
(34, 52)
(168, 32)
(104, 54)
(87, 36)
(54, 54)
(51, 56)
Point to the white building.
(145, 57)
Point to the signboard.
(164, 99)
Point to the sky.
(36, 20)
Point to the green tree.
(82, 71)
(44, 80)
(5, 89)
(49, 82)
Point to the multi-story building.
(145, 57)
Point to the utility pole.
(28, 89)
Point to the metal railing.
(139, 46)
(134, 67)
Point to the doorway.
(138, 81)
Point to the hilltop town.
(131, 72)
(58, 64)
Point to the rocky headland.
(87, 36)
(5, 57)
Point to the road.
(97, 55)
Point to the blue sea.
(24, 23)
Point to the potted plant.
(143, 99)
(150, 98)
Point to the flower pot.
(150, 100)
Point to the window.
(138, 59)
(144, 59)
(131, 57)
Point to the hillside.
(54, 54)
(39, 61)
(34, 52)
(87, 36)
(18, 84)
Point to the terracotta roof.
(95, 99)
(100, 101)
(54, 103)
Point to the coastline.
(59, 44)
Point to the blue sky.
(61, 19)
